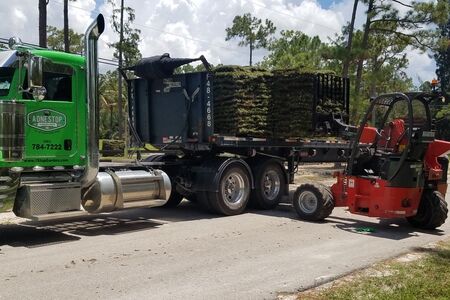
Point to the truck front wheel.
(432, 211)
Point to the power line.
(106, 61)
(167, 32)
(200, 40)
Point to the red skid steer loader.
(397, 169)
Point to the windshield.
(7, 60)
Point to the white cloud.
(421, 66)
(189, 28)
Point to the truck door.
(51, 124)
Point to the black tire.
(270, 185)
(228, 201)
(432, 211)
(313, 201)
(175, 197)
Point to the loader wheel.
(313, 201)
(233, 191)
(270, 185)
(432, 211)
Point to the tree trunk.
(346, 64)
(364, 45)
(66, 26)
(43, 23)
(251, 52)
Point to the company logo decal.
(46, 119)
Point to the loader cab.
(392, 139)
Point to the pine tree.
(442, 57)
(252, 31)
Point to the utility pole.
(119, 99)
(66, 26)
(43, 23)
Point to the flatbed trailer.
(224, 173)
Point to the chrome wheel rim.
(271, 184)
(234, 190)
(307, 202)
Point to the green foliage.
(411, 27)
(442, 57)
(425, 278)
(294, 49)
(251, 31)
(190, 68)
(131, 36)
(55, 40)
(441, 111)
(109, 119)
(383, 54)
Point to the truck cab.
(49, 160)
(43, 113)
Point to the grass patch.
(425, 278)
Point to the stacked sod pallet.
(280, 104)
(241, 101)
(292, 106)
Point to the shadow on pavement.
(27, 236)
(394, 229)
(35, 234)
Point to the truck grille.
(12, 127)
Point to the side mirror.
(35, 77)
(35, 71)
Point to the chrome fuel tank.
(126, 189)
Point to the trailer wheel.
(313, 201)
(270, 185)
(432, 211)
(233, 191)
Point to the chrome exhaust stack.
(112, 190)
(91, 36)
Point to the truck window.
(6, 76)
(57, 80)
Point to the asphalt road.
(184, 253)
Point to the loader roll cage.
(416, 104)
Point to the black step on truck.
(224, 174)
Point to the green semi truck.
(49, 164)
